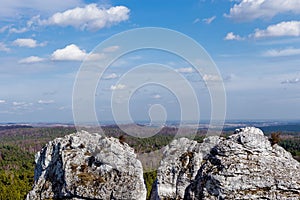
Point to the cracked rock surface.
(87, 166)
(243, 166)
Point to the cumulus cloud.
(185, 70)
(282, 29)
(209, 20)
(73, 53)
(27, 42)
(3, 47)
(111, 76)
(45, 101)
(282, 52)
(117, 87)
(232, 36)
(247, 10)
(89, 17)
(289, 28)
(31, 59)
(2, 101)
(69, 53)
(291, 81)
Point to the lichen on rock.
(87, 166)
(243, 166)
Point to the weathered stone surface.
(182, 159)
(243, 166)
(87, 166)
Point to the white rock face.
(182, 159)
(243, 166)
(87, 166)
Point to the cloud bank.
(247, 10)
(89, 17)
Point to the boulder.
(87, 166)
(243, 166)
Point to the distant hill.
(13, 126)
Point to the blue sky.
(254, 43)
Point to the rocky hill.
(243, 166)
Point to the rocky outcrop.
(243, 166)
(87, 166)
(182, 160)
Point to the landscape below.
(19, 144)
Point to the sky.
(255, 45)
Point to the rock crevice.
(87, 166)
(243, 166)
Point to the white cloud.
(185, 70)
(117, 87)
(111, 76)
(45, 101)
(282, 29)
(4, 28)
(64, 108)
(282, 52)
(89, 17)
(196, 21)
(27, 42)
(291, 81)
(3, 47)
(232, 36)
(2, 101)
(31, 59)
(73, 53)
(209, 77)
(111, 49)
(15, 103)
(209, 20)
(156, 96)
(20, 30)
(70, 53)
(289, 28)
(247, 10)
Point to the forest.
(18, 146)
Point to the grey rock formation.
(243, 166)
(87, 166)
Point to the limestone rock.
(243, 166)
(182, 159)
(87, 166)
